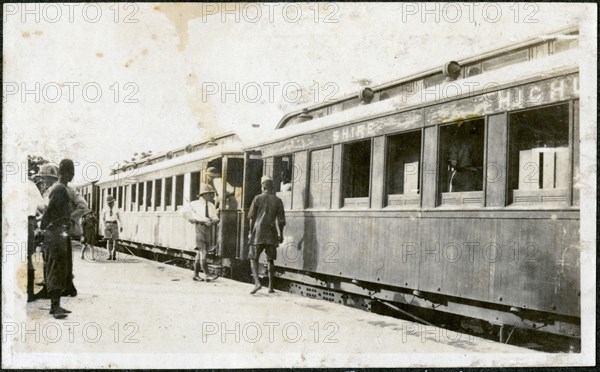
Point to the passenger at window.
(286, 181)
(464, 163)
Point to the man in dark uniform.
(44, 180)
(267, 221)
(57, 223)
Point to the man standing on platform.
(88, 223)
(203, 214)
(267, 220)
(44, 180)
(57, 224)
(111, 219)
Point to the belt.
(111, 221)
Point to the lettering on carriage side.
(358, 131)
(535, 94)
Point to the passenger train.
(455, 189)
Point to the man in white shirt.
(203, 214)
(111, 219)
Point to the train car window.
(194, 186)
(540, 51)
(140, 197)
(235, 172)
(346, 105)
(539, 155)
(434, 80)
(157, 194)
(334, 108)
(320, 177)
(283, 173)
(148, 203)
(472, 70)
(168, 192)
(120, 197)
(403, 157)
(133, 197)
(125, 197)
(565, 43)
(461, 162)
(505, 60)
(235, 181)
(282, 178)
(356, 170)
(178, 191)
(392, 92)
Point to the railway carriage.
(90, 193)
(454, 189)
(151, 193)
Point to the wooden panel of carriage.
(527, 255)
(512, 259)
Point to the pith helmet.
(110, 199)
(206, 189)
(47, 170)
(212, 170)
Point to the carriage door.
(233, 176)
(252, 174)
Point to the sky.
(102, 82)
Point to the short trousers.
(111, 231)
(202, 251)
(256, 250)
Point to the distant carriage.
(454, 189)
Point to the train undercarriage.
(500, 323)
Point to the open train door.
(252, 173)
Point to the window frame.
(541, 195)
(460, 199)
(285, 196)
(403, 200)
(362, 202)
(309, 178)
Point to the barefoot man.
(266, 230)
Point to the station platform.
(134, 312)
